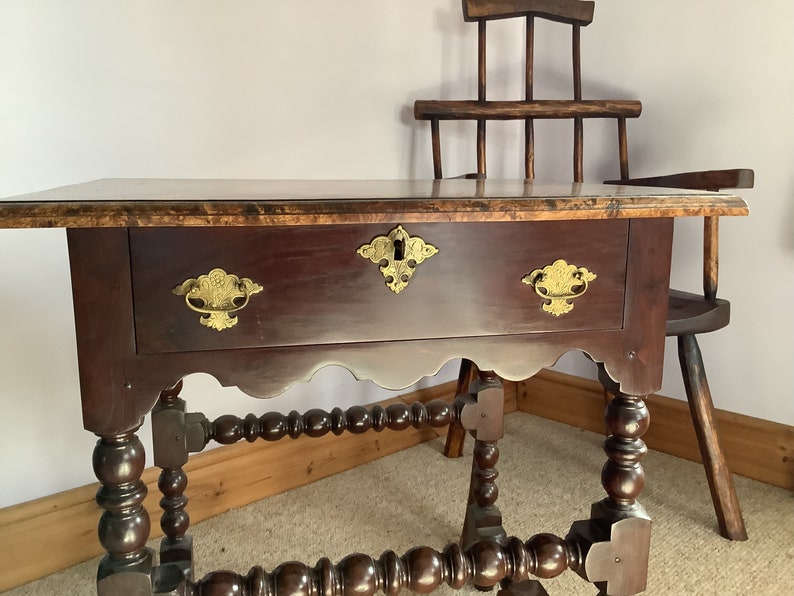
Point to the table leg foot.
(614, 554)
(129, 583)
(615, 542)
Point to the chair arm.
(705, 180)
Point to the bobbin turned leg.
(124, 526)
(420, 570)
(483, 416)
(615, 541)
(175, 434)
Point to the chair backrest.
(576, 13)
(564, 11)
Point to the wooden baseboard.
(754, 448)
(219, 480)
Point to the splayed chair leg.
(701, 406)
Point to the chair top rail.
(564, 11)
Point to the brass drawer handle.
(398, 255)
(558, 283)
(216, 295)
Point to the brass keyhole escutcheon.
(397, 254)
(559, 283)
(216, 295)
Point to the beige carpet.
(550, 475)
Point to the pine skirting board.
(235, 475)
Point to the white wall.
(317, 89)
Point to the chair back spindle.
(529, 94)
(575, 13)
(623, 148)
(578, 123)
(481, 95)
(711, 259)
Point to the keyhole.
(399, 250)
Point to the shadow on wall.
(787, 242)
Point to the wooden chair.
(689, 314)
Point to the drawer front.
(317, 289)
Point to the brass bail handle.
(558, 283)
(216, 295)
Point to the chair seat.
(690, 314)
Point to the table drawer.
(317, 289)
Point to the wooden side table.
(261, 283)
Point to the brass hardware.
(216, 295)
(398, 255)
(558, 283)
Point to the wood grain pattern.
(566, 11)
(518, 109)
(162, 202)
(312, 276)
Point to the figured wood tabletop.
(206, 202)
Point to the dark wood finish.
(623, 478)
(711, 257)
(723, 492)
(122, 280)
(315, 423)
(544, 109)
(421, 570)
(100, 269)
(483, 518)
(124, 526)
(567, 11)
(578, 125)
(623, 148)
(615, 549)
(529, 94)
(485, 420)
(690, 314)
(703, 180)
(434, 131)
(312, 274)
(170, 434)
(456, 435)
